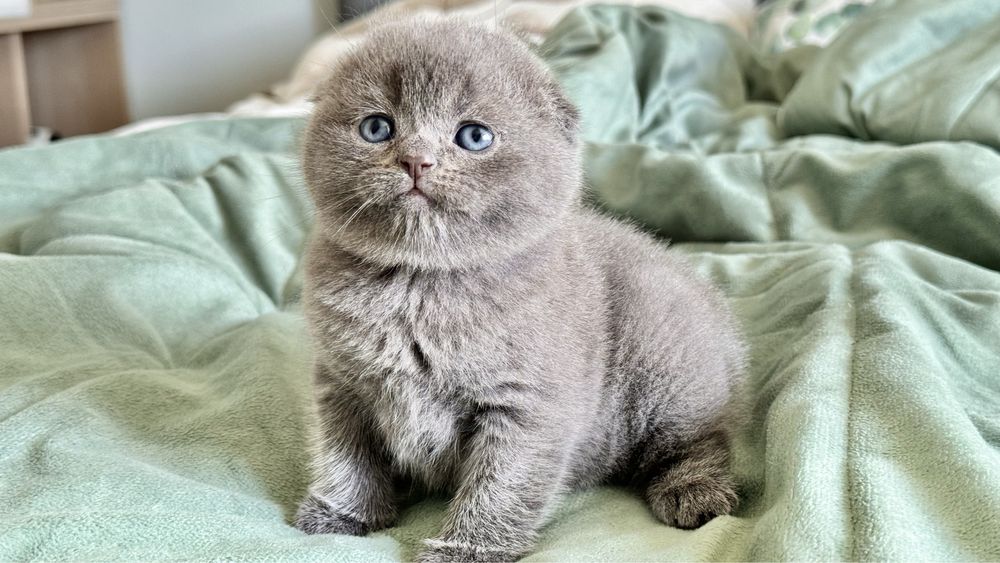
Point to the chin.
(415, 202)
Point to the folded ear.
(566, 113)
(567, 116)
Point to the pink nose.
(416, 165)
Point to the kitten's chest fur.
(429, 325)
(424, 349)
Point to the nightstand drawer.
(61, 68)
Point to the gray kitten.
(480, 332)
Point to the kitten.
(479, 331)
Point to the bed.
(154, 370)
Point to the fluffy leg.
(509, 483)
(695, 488)
(352, 490)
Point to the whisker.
(325, 17)
(352, 217)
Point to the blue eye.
(376, 128)
(474, 137)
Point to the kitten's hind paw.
(316, 516)
(692, 504)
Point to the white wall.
(184, 56)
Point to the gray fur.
(499, 342)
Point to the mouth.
(416, 192)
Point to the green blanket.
(154, 372)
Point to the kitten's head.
(441, 145)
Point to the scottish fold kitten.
(481, 332)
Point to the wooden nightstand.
(61, 68)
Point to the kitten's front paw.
(452, 552)
(315, 516)
(691, 505)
